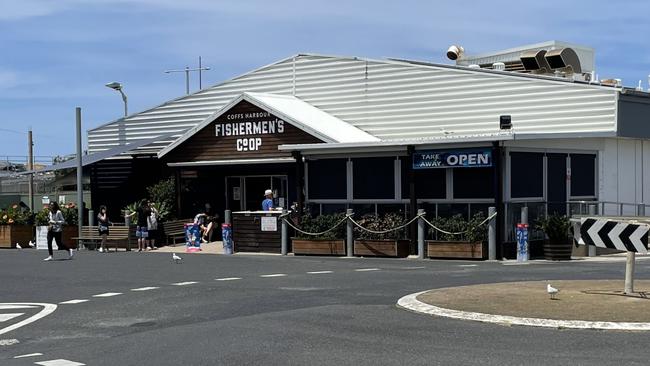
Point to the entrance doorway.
(246, 193)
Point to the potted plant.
(386, 244)
(470, 244)
(557, 245)
(70, 229)
(15, 227)
(330, 243)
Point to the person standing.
(54, 231)
(152, 226)
(103, 223)
(141, 231)
(267, 204)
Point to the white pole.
(629, 273)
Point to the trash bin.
(226, 233)
(192, 237)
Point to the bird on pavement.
(18, 246)
(31, 244)
(552, 291)
(176, 258)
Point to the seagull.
(18, 246)
(552, 291)
(176, 258)
(31, 244)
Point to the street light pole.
(117, 86)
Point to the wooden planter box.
(70, 232)
(12, 234)
(67, 234)
(318, 246)
(557, 251)
(382, 248)
(456, 249)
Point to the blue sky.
(56, 55)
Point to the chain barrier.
(460, 232)
(283, 217)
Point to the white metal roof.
(294, 111)
(390, 100)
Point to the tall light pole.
(117, 86)
(187, 70)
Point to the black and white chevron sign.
(614, 235)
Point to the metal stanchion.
(629, 272)
(91, 218)
(127, 223)
(421, 233)
(591, 250)
(350, 235)
(285, 234)
(492, 235)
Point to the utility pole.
(79, 175)
(30, 167)
(187, 71)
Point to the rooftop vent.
(500, 66)
(534, 61)
(455, 52)
(563, 59)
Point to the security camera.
(455, 52)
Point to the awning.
(233, 162)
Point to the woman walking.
(55, 220)
(104, 222)
(152, 225)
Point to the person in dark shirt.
(141, 231)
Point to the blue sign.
(465, 158)
(522, 243)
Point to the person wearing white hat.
(267, 204)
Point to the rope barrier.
(460, 232)
(313, 234)
(386, 231)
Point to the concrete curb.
(410, 302)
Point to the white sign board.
(41, 239)
(269, 223)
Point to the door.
(556, 180)
(234, 194)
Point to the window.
(526, 174)
(583, 175)
(374, 178)
(327, 179)
(473, 182)
(429, 183)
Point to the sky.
(56, 55)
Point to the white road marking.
(274, 275)
(184, 283)
(108, 294)
(9, 316)
(14, 307)
(59, 362)
(366, 269)
(320, 272)
(47, 310)
(29, 355)
(468, 265)
(414, 267)
(75, 301)
(228, 279)
(8, 342)
(145, 288)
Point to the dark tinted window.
(374, 178)
(526, 174)
(473, 183)
(430, 183)
(327, 179)
(583, 175)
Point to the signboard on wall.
(269, 223)
(462, 158)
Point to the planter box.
(318, 246)
(382, 248)
(68, 233)
(557, 251)
(456, 249)
(12, 234)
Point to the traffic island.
(579, 304)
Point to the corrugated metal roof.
(293, 110)
(391, 100)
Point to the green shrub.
(381, 223)
(163, 194)
(471, 230)
(321, 223)
(41, 218)
(555, 227)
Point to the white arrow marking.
(5, 317)
(47, 310)
(593, 233)
(59, 362)
(614, 236)
(636, 236)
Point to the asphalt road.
(344, 314)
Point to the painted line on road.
(274, 275)
(468, 265)
(145, 288)
(29, 355)
(59, 362)
(75, 301)
(228, 279)
(14, 307)
(184, 283)
(366, 269)
(320, 272)
(47, 310)
(108, 294)
(9, 316)
(413, 267)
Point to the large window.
(473, 183)
(327, 179)
(526, 174)
(374, 178)
(429, 183)
(583, 175)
